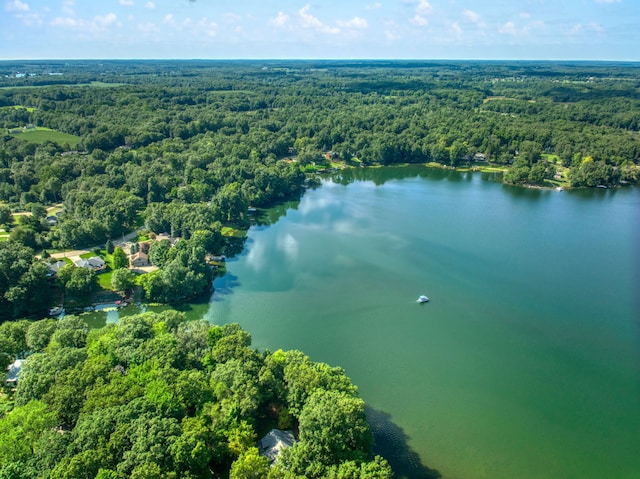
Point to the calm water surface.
(526, 362)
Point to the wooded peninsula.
(136, 178)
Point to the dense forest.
(160, 397)
(187, 148)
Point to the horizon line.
(328, 59)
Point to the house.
(163, 236)
(54, 268)
(52, 220)
(13, 372)
(479, 157)
(139, 259)
(82, 263)
(274, 442)
(95, 263)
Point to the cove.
(526, 361)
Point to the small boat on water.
(422, 299)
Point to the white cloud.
(607, 1)
(232, 17)
(201, 27)
(23, 12)
(126, 3)
(106, 20)
(94, 26)
(281, 20)
(391, 35)
(209, 28)
(455, 26)
(150, 5)
(424, 8)
(419, 20)
(391, 31)
(525, 15)
(309, 21)
(148, 27)
(355, 22)
(373, 6)
(169, 19)
(508, 28)
(67, 7)
(579, 28)
(16, 6)
(473, 17)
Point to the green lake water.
(526, 362)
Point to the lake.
(526, 361)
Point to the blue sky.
(421, 29)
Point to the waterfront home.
(274, 443)
(13, 372)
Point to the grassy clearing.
(20, 107)
(494, 98)
(104, 280)
(99, 84)
(40, 135)
(93, 84)
(53, 209)
(232, 232)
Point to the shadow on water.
(224, 286)
(271, 215)
(235, 246)
(391, 442)
(380, 176)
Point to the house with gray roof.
(275, 442)
(13, 372)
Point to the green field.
(40, 135)
(229, 231)
(96, 84)
(20, 107)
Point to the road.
(75, 254)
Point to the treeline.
(156, 396)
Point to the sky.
(326, 29)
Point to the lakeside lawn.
(104, 280)
(232, 232)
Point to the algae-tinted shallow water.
(525, 364)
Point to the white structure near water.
(274, 442)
